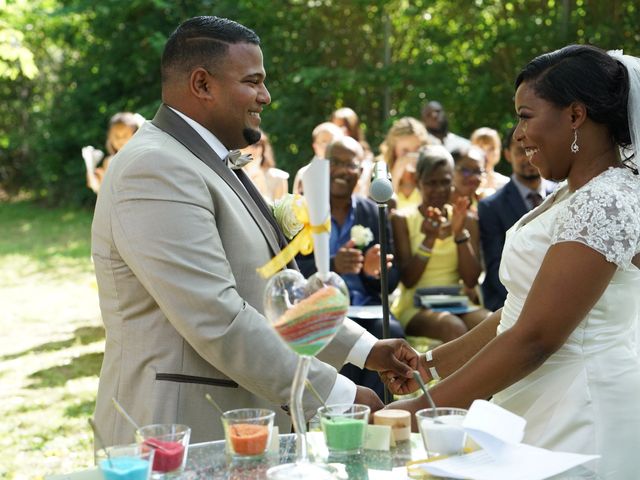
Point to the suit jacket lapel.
(175, 126)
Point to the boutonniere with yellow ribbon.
(293, 217)
(361, 236)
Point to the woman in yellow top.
(436, 246)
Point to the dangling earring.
(574, 146)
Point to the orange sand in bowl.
(248, 439)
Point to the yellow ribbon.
(301, 243)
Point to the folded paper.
(499, 433)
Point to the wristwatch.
(464, 236)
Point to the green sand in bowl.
(344, 434)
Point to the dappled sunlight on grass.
(82, 366)
(81, 336)
(51, 349)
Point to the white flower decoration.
(285, 215)
(361, 235)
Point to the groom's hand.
(394, 358)
(399, 385)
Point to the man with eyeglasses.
(357, 264)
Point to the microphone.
(381, 189)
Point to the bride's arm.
(448, 357)
(570, 281)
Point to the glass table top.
(209, 461)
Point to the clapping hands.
(459, 214)
(434, 219)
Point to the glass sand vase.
(306, 313)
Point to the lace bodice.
(604, 214)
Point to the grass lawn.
(52, 341)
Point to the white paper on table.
(315, 181)
(492, 427)
(503, 457)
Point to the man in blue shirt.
(357, 264)
(498, 212)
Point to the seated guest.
(500, 211)
(349, 122)
(270, 181)
(122, 127)
(357, 264)
(321, 136)
(468, 174)
(436, 245)
(488, 140)
(398, 150)
(435, 119)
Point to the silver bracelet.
(432, 370)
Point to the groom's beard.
(251, 136)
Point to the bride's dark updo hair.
(586, 74)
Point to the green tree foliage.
(384, 59)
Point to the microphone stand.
(384, 278)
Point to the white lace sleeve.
(603, 215)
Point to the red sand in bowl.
(168, 456)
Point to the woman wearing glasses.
(468, 176)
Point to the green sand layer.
(344, 434)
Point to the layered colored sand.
(309, 325)
(248, 439)
(168, 456)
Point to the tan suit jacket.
(176, 243)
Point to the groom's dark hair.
(201, 42)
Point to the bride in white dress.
(562, 352)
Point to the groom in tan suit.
(176, 240)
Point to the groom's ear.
(200, 84)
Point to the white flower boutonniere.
(361, 235)
(284, 212)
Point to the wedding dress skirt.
(586, 397)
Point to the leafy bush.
(384, 59)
